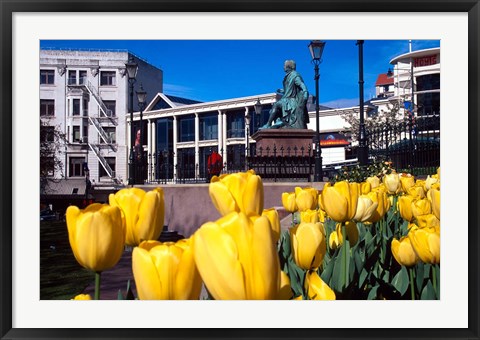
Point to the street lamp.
(258, 111)
(362, 154)
(141, 97)
(316, 50)
(132, 68)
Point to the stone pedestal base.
(284, 141)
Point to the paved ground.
(115, 279)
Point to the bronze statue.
(291, 110)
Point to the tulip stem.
(412, 286)
(97, 286)
(345, 254)
(434, 279)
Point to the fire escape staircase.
(95, 121)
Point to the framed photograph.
(25, 25)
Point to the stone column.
(175, 138)
(197, 149)
(224, 135)
(149, 150)
(220, 131)
(154, 149)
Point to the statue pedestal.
(284, 140)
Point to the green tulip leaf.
(120, 295)
(359, 257)
(337, 282)
(372, 295)
(362, 278)
(428, 292)
(426, 272)
(327, 270)
(401, 281)
(419, 278)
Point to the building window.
(47, 107)
(111, 163)
(72, 77)
(111, 107)
(107, 78)
(235, 125)
(76, 107)
(47, 77)
(47, 134)
(75, 166)
(83, 77)
(76, 134)
(85, 134)
(186, 129)
(110, 132)
(47, 164)
(208, 127)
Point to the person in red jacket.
(214, 165)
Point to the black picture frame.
(9, 7)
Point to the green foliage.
(367, 270)
(359, 174)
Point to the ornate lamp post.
(362, 154)
(141, 97)
(316, 50)
(258, 112)
(132, 68)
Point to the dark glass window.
(236, 124)
(428, 82)
(83, 77)
(111, 163)
(47, 107)
(72, 77)
(107, 78)
(236, 157)
(428, 104)
(208, 126)
(76, 134)
(47, 134)
(75, 166)
(47, 77)
(186, 129)
(111, 105)
(76, 107)
(165, 134)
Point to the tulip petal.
(222, 198)
(147, 280)
(150, 225)
(335, 204)
(217, 259)
(253, 196)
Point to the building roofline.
(418, 53)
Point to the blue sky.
(208, 70)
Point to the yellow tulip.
(334, 241)
(430, 181)
(428, 221)
(306, 198)
(434, 197)
(274, 220)
(438, 173)
(379, 196)
(238, 192)
(96, 235)
(365, 208)
(143, 212)
(289, 202)
(316, 288)
(421, 207)
(426, 244)
(321, 215)
(407, 181)
(308, 245)
(166, 271)
(365, 188)
(237, 258)
(340, 200)
(392, 183)
(403, 252)
(405, 207)
(374, 181)
(82, 297)
(309, 216)
(352, 235)
(300, 297)
(417, 191)
(286, 292)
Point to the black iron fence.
(411, 145)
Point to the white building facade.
(85, 95)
